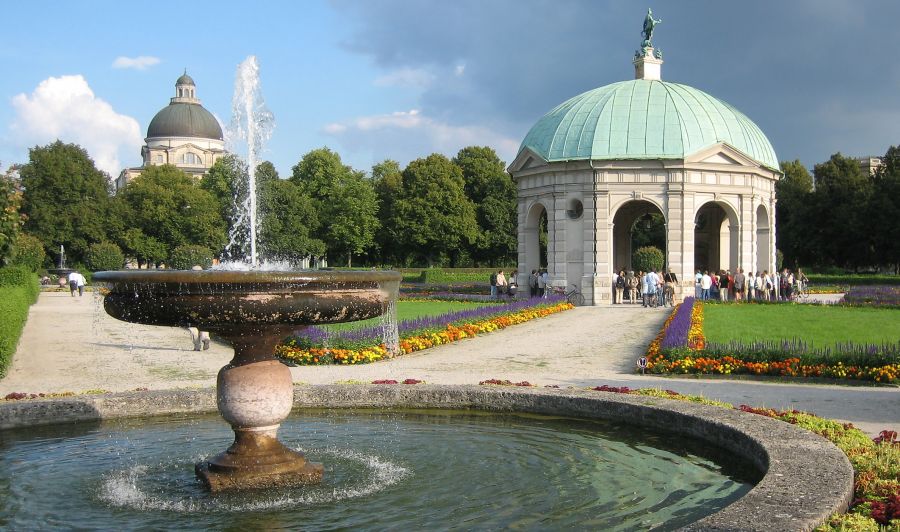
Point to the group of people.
(501, 286)
(759, 286)
(539, 283)
(656, 288)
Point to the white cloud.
(66, 108)
(406, 77)
(460, 69)
(141, 62)
(407, 135)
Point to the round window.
(575, 210)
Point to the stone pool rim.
(805, 478)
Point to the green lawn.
(819, 326)
(414, 309)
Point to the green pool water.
(403, 470)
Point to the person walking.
(76, 282)
(671, 281)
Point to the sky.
(400, 79)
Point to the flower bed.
(681, 348)
(361, 346)
(876, 296)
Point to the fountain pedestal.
(254, 394)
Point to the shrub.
(647, 258)
(104, 256)
(20, 291)
(186, 257)
(29, 252)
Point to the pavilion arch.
(624, 217)
(531, 233)
(716, 237)
(763, 240)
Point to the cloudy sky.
(376, 79)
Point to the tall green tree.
(794, 193)
(288, 219)
(840, 229)
(171, 209)
(345, 200)
(66, 199)
(11, 218)
(434, 219)
(493, 192)
(886, 210)
(386, 181)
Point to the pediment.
(721, 154)
(526, 160)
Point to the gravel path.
(70, 344)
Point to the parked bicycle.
(573, 296)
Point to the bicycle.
(803, 289)
(573, 296)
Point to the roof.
(181, 119)
(185, 80)
(644, 119)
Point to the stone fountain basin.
(219, 300)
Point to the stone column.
(675, 228)
(603, 282)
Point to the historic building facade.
(183, 134)
(603, 161)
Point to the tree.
(647, 258)
(288, 220)
(386, 181)
(433, 217)
(344, 198)
(886, 210)
(170, 209)
(227, 181)
(66, 199)
(839, 228)
(104, 256)
(493, 192)
(187, 256)
(29, 252)
(11, 218)
(794, 193)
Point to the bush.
(29, 252)
(20, 291)
(853, 279)
(104, 256)
(186, 257)
(452, 276)
(647, 258)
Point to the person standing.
(723, 286)
(512, 285)
(631, 283)
(615, 278)
(543, 281)
(645, 288)
(620, 287)
(533, 284)
(501, 283)
(739, 280)
(697, 288)
(705, 284)
(493, 286)
(671, 280)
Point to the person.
(760, 285)
(705, 284)
(513, 285)
(615, 278)
(76, 282)
(802, 280)
(697, 288)
(766, 285)
(620, 287)
(544, 284)
(631, 282)
(723, 286)
(199, 338)
(773, 278)
(671, 281)
(501, 283)
(533, 284)
(751, 286)
(493, 286)
(739, 280)
(645, 288)
(787, 284)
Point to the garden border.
(805, 477)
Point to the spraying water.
(251, 126)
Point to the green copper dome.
(644, 119)
(181, 119)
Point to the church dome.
(644, 119)
(181, 119)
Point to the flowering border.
(681, 348)
(415, 342)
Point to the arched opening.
(637, 224)
(716, 237)
(763, 249)
(536, 238)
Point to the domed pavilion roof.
(644, 119)
(184, 79)
(179, 119)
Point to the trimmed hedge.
(20, 290)
(440, 276)
(853, 279)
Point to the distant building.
(869, 164)
(183, 134)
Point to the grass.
(819, 326)
(412, 309)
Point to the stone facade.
(718, 206)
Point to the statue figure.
(649, 24)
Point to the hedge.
(20, 290)
(853, 279)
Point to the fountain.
(253, 310)
(61, 271)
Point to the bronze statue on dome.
(649, 24)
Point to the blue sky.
(376, 79)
